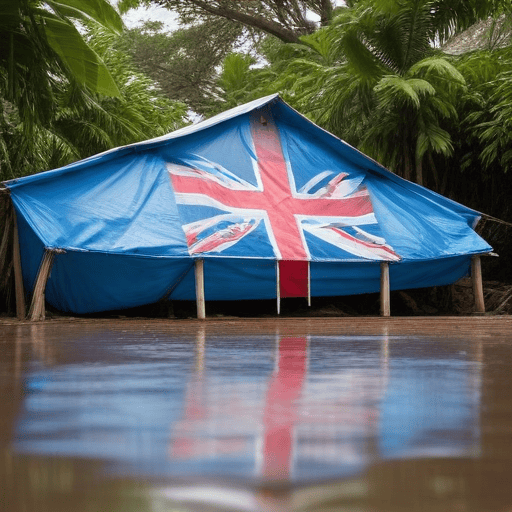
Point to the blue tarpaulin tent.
(256, 185)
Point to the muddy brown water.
(345, 414)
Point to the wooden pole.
(478, 289)
(385, 309)
(278, 288)
(18, 276)
(199, 272)
(37, 306)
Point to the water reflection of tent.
(273, 430)
(256, 196)
(316, 421)
(267, 407)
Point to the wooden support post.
(37, 306)
(278, 288)
(18, 276)
(199, 272)
(478, 289)
(385, 309)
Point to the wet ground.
(346, 414)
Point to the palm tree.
(375, 77)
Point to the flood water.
(277, 415)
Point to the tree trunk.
(444, 184)
(419, 170)
(435, 174)
(326, 12)
(407, 162)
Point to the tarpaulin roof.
(253, 185)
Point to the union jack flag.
(333, 207)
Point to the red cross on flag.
(275, 203)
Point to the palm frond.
(395, 90)
(433, 138)
(99, 11)
(84, 64)
(437, 67)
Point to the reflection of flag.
(331, 206)
(193, 439)
(221, 422)
(280, 408)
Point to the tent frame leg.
(21, 307)
(200, 301)
(37, 306)
(385, 306)
(478, 289)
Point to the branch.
(251, 20)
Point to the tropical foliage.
(185, 62)
(58, 99)
(374, 72)
(41, 42)
(375, 78)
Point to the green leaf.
(84, 63)
(98, 10)
(317, 42)
(440, 67)
(393, 89)
(435, 138)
